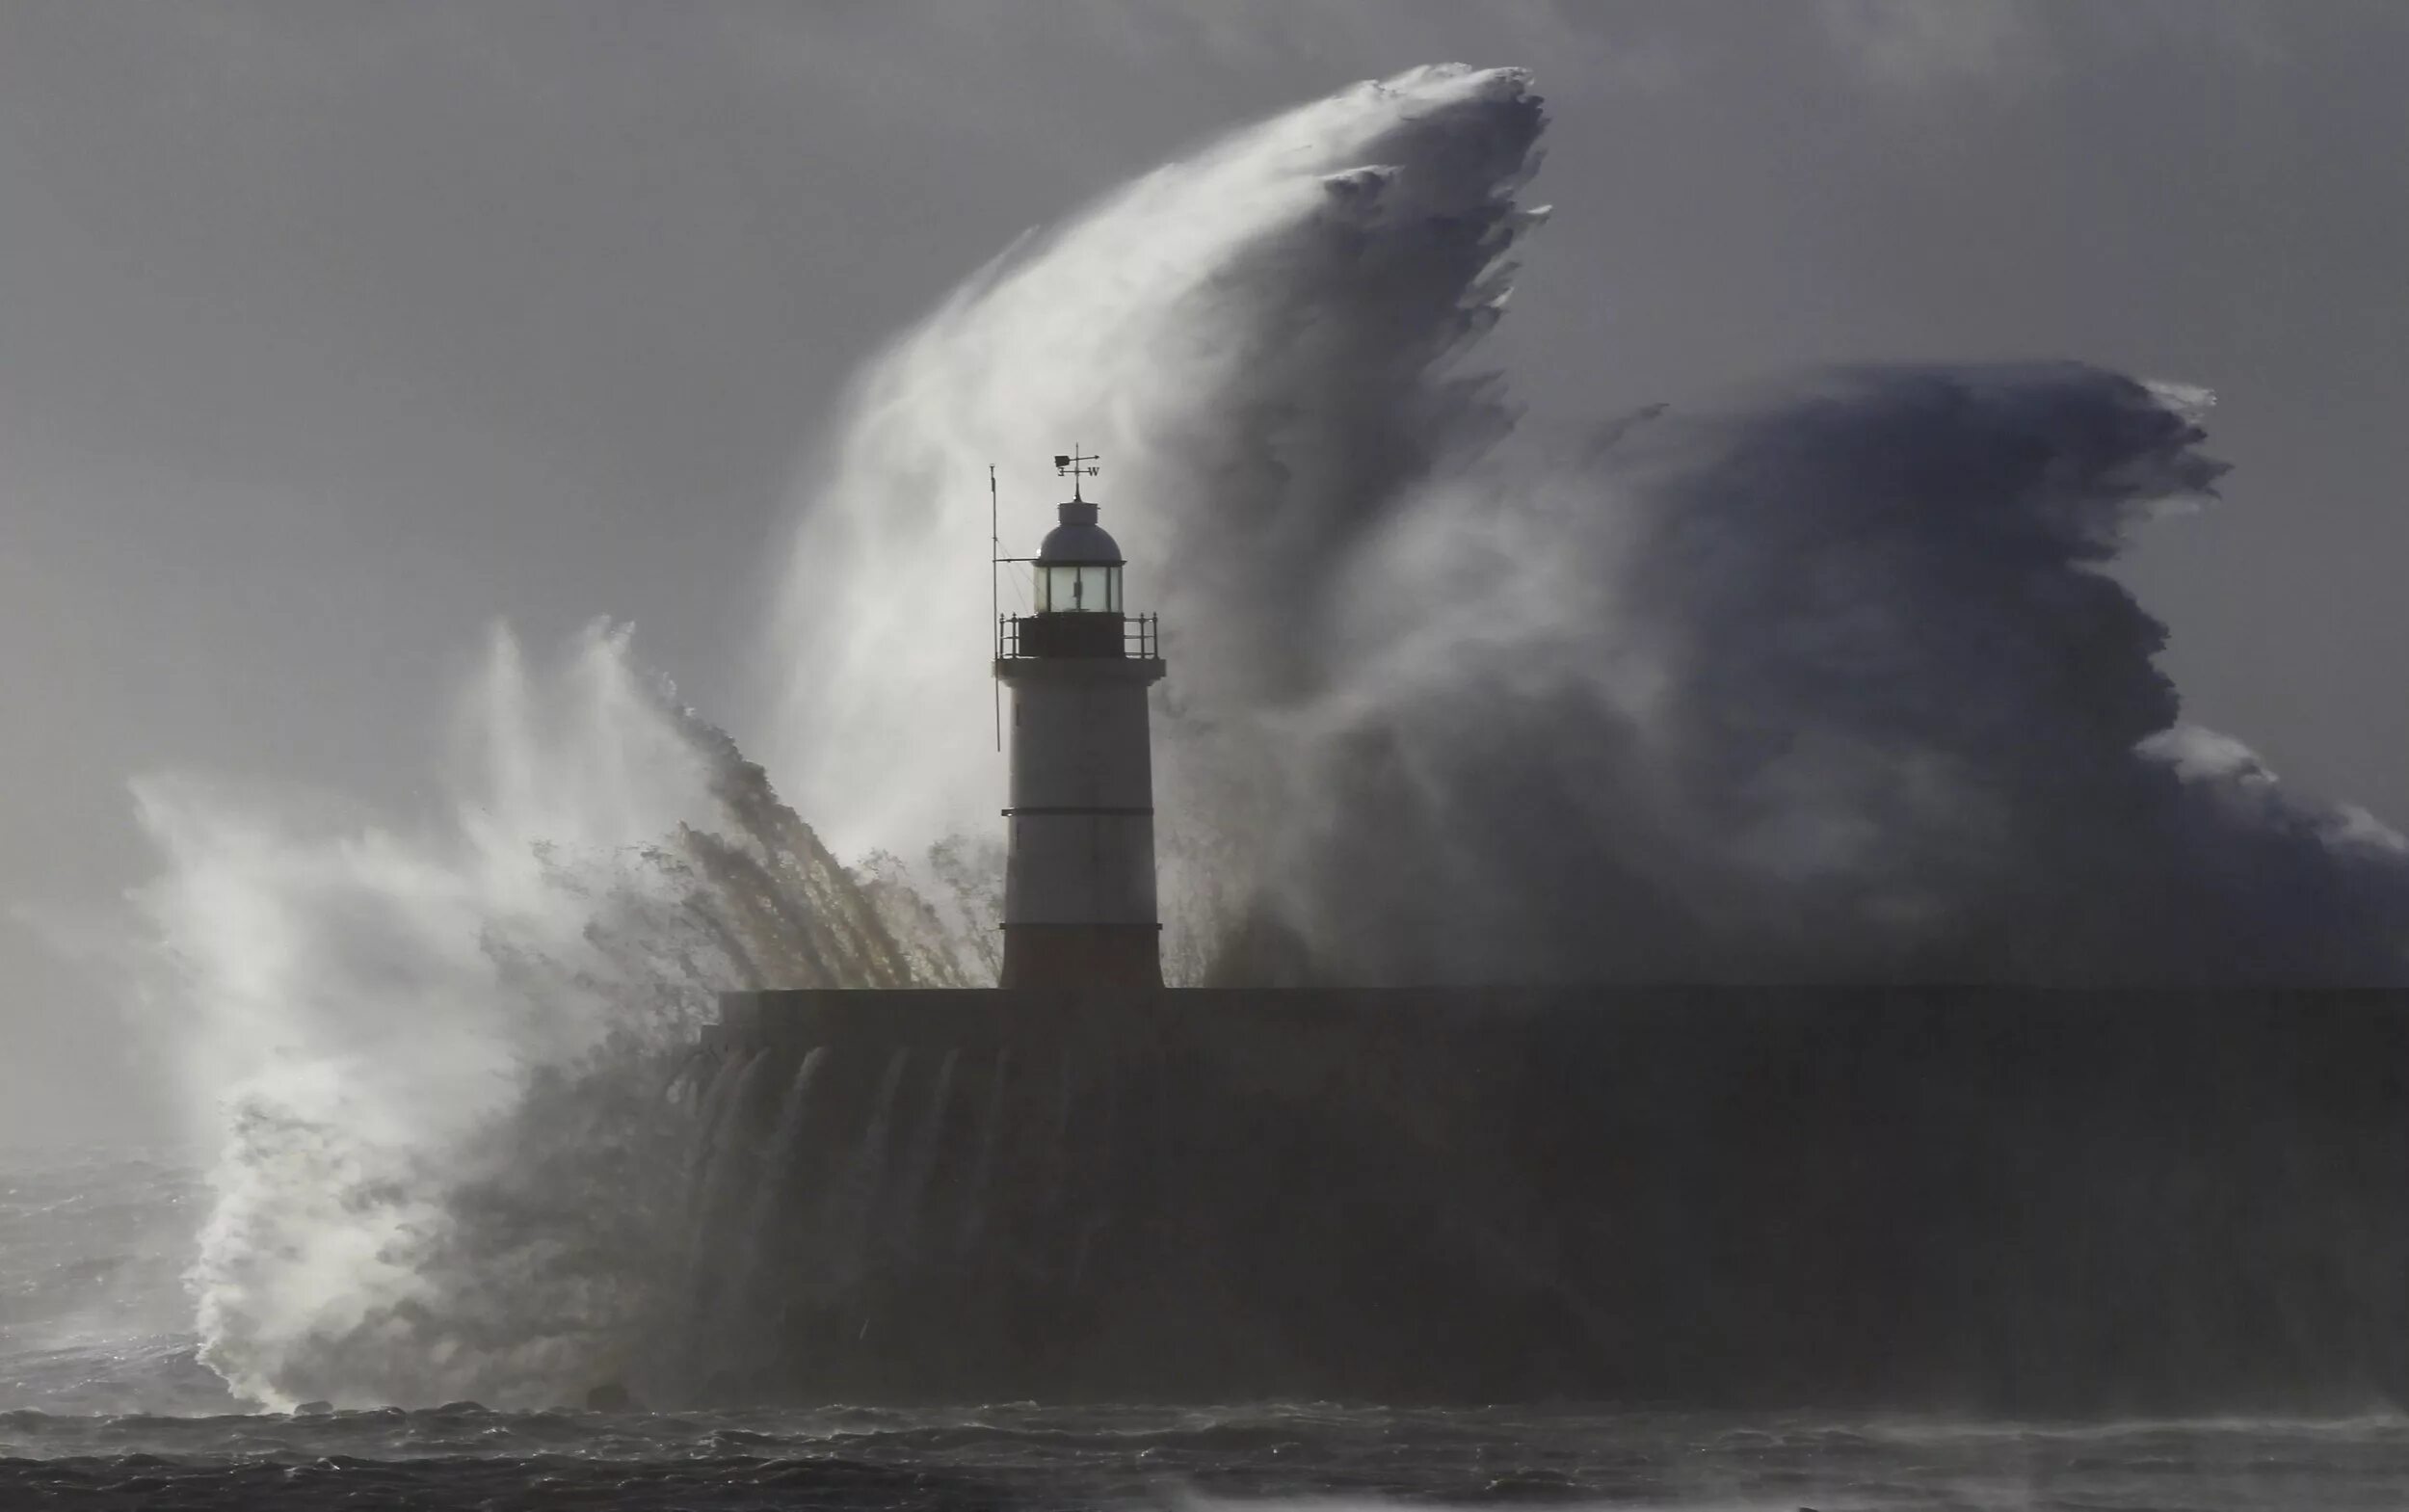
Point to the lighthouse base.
(2012, 1202)
(1083, 958)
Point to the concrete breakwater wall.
(2006, 1201)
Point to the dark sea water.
(1006, 1456)
(102, 1404)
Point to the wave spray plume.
(444, 1060)
(1821, 681)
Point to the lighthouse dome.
(1079, 538)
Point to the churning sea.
(104, 1404)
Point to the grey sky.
(330, 331)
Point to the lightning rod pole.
(995, 590)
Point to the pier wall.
(2006, 1201)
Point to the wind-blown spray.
(1826, 684)
(1823, 681)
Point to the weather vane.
(1074, 467)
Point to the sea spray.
(452, 1165)
(1256, 337)
(848, 1221)
(1822, 680)
(769, 1194)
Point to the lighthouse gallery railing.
(1138, 635)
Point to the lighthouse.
(1079, 873)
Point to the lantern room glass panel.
(1078, 588)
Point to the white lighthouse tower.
(1079, 877)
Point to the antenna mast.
(995, 590)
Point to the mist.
(1825, 683)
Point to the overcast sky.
(330, 331)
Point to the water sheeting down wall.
(2016, 1201)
